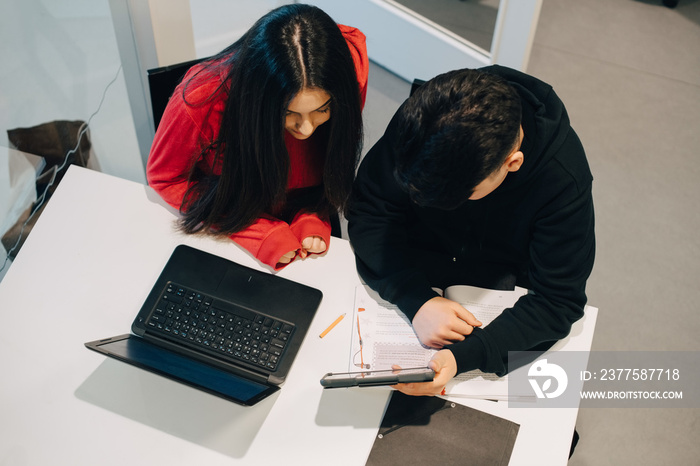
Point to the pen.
(330, 327)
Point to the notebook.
(218, 326)
(430, 429)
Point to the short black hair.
(452, 133)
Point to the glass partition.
(60, 66)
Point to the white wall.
(219, 23)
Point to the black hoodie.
(537, 226)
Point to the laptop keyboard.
(220, 328)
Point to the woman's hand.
(287, 258)
(312, 244)
(445, 367)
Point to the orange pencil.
(330, 327)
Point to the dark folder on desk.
(431, 430)
(218, 326)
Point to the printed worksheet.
(486, 305)
(383, 335)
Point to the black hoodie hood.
(544, 120)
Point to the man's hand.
(313, 244)
(445, 367)
(440, 322)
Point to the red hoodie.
(183, 131)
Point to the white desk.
(84, 272)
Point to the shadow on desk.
(356, 407)
(174, 408)
(155, 198)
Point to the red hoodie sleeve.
(308, 224)
(268, 239)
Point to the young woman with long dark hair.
(260, 142)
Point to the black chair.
(162, 82)
(416, 84)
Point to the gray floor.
(629, 73)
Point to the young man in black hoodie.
(479, 179)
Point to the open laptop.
(218, 326)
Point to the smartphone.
(375, 378)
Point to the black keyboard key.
(172, 298)
(275, 343)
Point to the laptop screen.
(145, 355)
